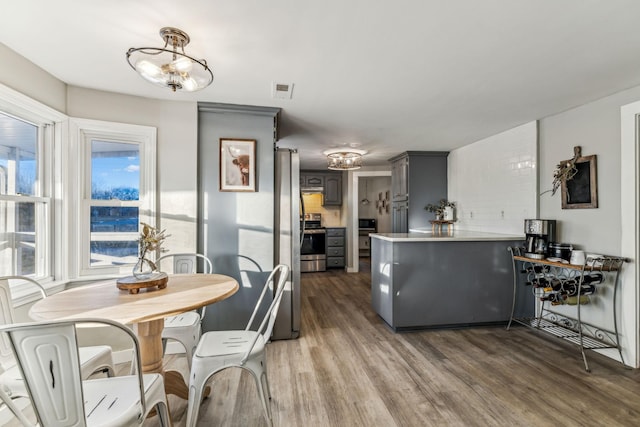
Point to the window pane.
(115, 174)
(115, 171)
(110, 219)
(114, 235)
(113, 252)
(18, 165)
(18, 228)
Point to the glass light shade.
(169, 66)
(183, 65)
(345, 160)
(189, 84)
(148, 69)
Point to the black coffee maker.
(539, 233)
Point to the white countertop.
(424, 235)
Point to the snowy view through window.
(115, 188)
(18, 177)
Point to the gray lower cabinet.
(426, 284)
(336, 239)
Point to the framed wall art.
(581, 191)
(237, 164)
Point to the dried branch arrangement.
(565, 170)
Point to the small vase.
(143, 269)
(448, 213)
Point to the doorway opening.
(373, 187)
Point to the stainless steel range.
(313, 255)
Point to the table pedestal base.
(150, 338)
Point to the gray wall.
(236, 227)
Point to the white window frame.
(82, 132)
(50, 123)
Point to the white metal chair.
(218, 350)
(92, 358)
(5, 400)
(47, 354)
(185, 327)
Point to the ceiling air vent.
(282, 90)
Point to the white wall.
(177, 153)
(25, 77)
(493, 181)
(177, 144)
(177, 136)
(596, 128)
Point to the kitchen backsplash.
(493, 181)
(330, 214)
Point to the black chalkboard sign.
(581, 191)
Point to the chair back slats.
(184, 265)
(48, 357)
(187, 263)
(281, 272)
(6, 400)
(6, 305)
(7, 315)
(6, 318)
(50, 364)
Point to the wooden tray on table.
(133, 284)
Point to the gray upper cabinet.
(333, 190)
(331, 182)
(399, 178)
(418, 178)
(311, 180)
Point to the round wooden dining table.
(145, 310)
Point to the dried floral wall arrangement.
(577, 180)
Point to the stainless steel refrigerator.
(246, 234)
(287, 235)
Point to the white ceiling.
(385, 76)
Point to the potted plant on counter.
(443, 210)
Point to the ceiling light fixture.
(344, 159)
(169, 66)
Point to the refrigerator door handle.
(304, 222)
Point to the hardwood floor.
(349, 369)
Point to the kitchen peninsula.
(423, 279)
